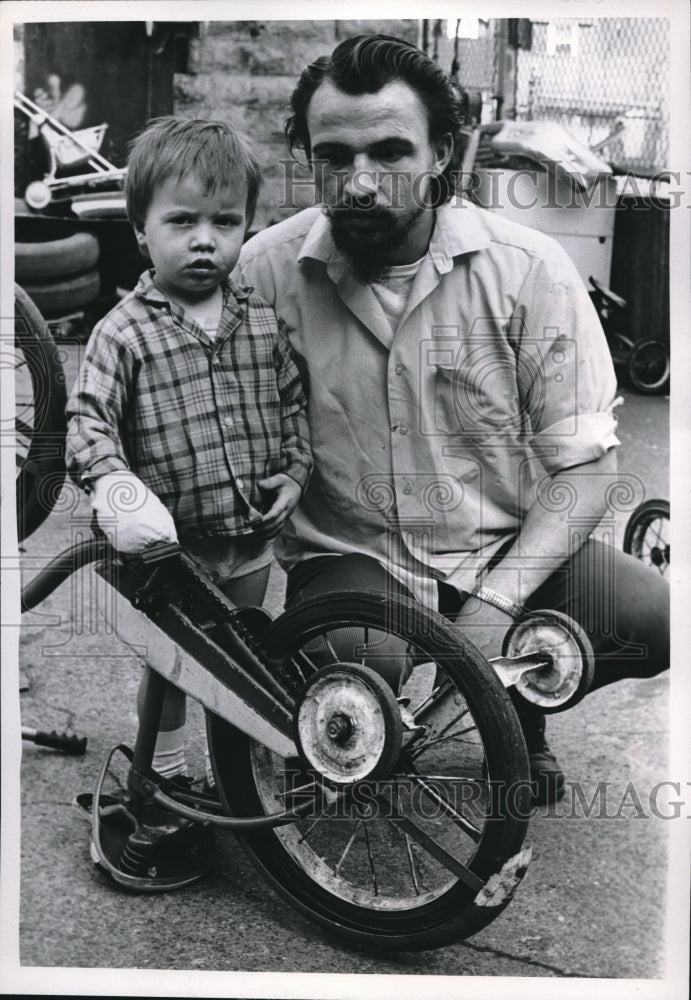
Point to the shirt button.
(403, 428)
(400, 367)
(240, 484)
(407, 489)
(215, 360)
(228, 421)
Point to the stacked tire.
(60, 276)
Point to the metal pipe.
(58, 569)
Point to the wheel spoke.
(440, 798)
(429, 844)
(312, 826)
(312, 667)
(371, 860)
(451, 738)
(441, 702)
(325, 636)
(411, 862)
(346, 849)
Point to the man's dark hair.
(365, 64)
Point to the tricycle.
(394, 815)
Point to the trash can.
(640, 261)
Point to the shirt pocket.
(480, 398)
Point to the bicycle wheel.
(39, 420)
(647, 534)
(648, 367)
(427, 852)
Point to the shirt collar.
(148, 291)
(318, 244)
(458, 229)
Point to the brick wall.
(245, 71)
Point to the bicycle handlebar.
(76, 557)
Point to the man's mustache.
(359, 210)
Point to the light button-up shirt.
(429, 446)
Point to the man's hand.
(287, 495)
(129, 514)
(484, 625)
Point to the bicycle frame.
(233, 685)
(179, 651)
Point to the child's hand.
(287, 495)
(129, 514)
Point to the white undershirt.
(208, 315)
(210, 326)
(393, 290)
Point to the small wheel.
(39, 419)
(404, 857)
(567, 677)
(648, 367)
(37, 195)
(348, 725)
(647, 534)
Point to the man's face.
(373, 163)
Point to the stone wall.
(245, 71)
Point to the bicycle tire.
(635, 534)
(648, 367)
(42, 471)
(415, 908)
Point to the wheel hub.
(558, 681)
(659, 556)
(339, 728)
(348, 724)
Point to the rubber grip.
(73, 745)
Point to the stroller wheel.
(37, 195)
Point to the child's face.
(193, 238)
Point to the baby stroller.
(66, 150)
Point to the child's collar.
(148, 291)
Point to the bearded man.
(461, 393)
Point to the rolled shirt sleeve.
(565, 371)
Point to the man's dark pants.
(622, 604)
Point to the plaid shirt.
(199, 420)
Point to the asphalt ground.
(592, 906)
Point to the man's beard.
(369, 250)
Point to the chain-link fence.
(601, 78)
(607, 80)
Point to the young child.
(188, 418)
